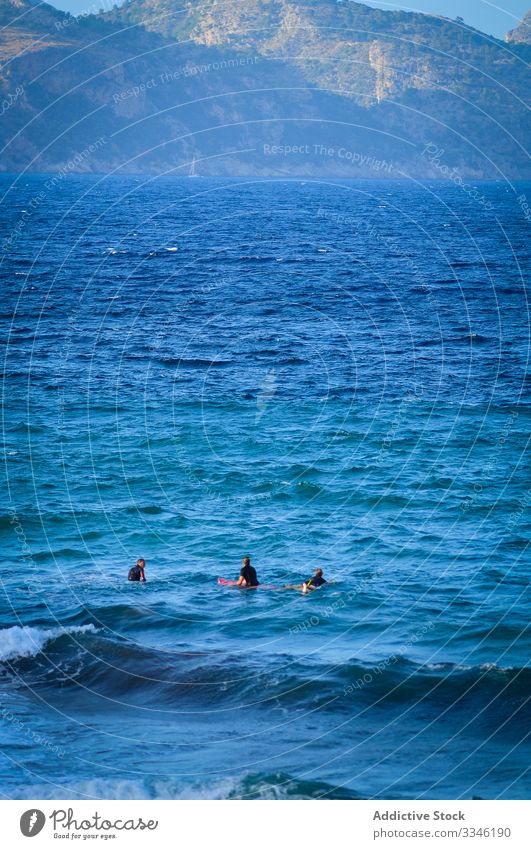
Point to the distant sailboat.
(192, 169)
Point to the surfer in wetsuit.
(309, 585)
(136, 573)
(315, 582)
(248, 577)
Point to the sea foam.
(21, 641)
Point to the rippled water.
(330, 375)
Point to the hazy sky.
(493, 18)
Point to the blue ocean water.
(314, 374)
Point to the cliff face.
(522, 33)
(367, 53)
(259, 87)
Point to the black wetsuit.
(315, 582)
(136, 573)
(248, 573)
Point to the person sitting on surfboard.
(248, 577)
(315, 582)
(136, 572)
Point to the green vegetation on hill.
(365, 53)
(164, 82)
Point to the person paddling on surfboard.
(136, 573)
(315, 582)
(309, 585)
(248, 577)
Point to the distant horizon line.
(262, 177)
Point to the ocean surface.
(329, 374)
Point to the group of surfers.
(248, 577)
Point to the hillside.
(367, 54)
(522, 33)
(256, 87)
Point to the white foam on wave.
(23, 641)
(126, 788)
(161, 788)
